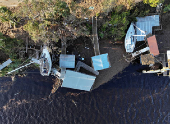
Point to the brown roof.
(153, 45)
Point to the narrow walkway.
(81, 64)
(95, 36)
(63, 70)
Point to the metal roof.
(76, 80)
(100, 62)
(67, 61)
(146, 23)
(5, 64)
(153, 45)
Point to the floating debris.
(74, 102)
(18, 93)
(56, 85)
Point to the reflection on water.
(130, 97)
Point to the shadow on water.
(33, 86)
(132, 77)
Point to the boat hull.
(45, 62)
(130, 40)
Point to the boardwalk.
(95, 36)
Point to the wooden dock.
(95, 36)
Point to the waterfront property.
(138, 31)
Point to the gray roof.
(146, 23)
(101, 62)
(76, 80)
(67, 61)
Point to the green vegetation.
(7, 16)
(11, 48)
(120, 20)
(50, 20)
(166, 9)
(153, 3)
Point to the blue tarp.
(101, 62)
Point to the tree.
(11, 48)
(153, 3)
(47, 20)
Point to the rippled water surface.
(129, 98)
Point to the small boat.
(45, 62)
(130, 39)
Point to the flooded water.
(129, 98)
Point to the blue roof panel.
(100, 62)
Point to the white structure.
(76, 80)
(55, 72)
(35, 61)
(140, 51)
(5, 64)
(45, 62)
(130, 40)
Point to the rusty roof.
(153, 45)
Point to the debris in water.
(13, 78)
(50, 102)
(74, 102)
(56, 85)
(18, 93)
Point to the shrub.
(153, 3)
(166, 9)
(11, 47)
(119, 22)
(5, 14)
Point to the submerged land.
(72, 25)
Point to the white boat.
(45, 62)
(130, 39)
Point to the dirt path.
(9, 3)
(117, 61)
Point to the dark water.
(129, 98)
